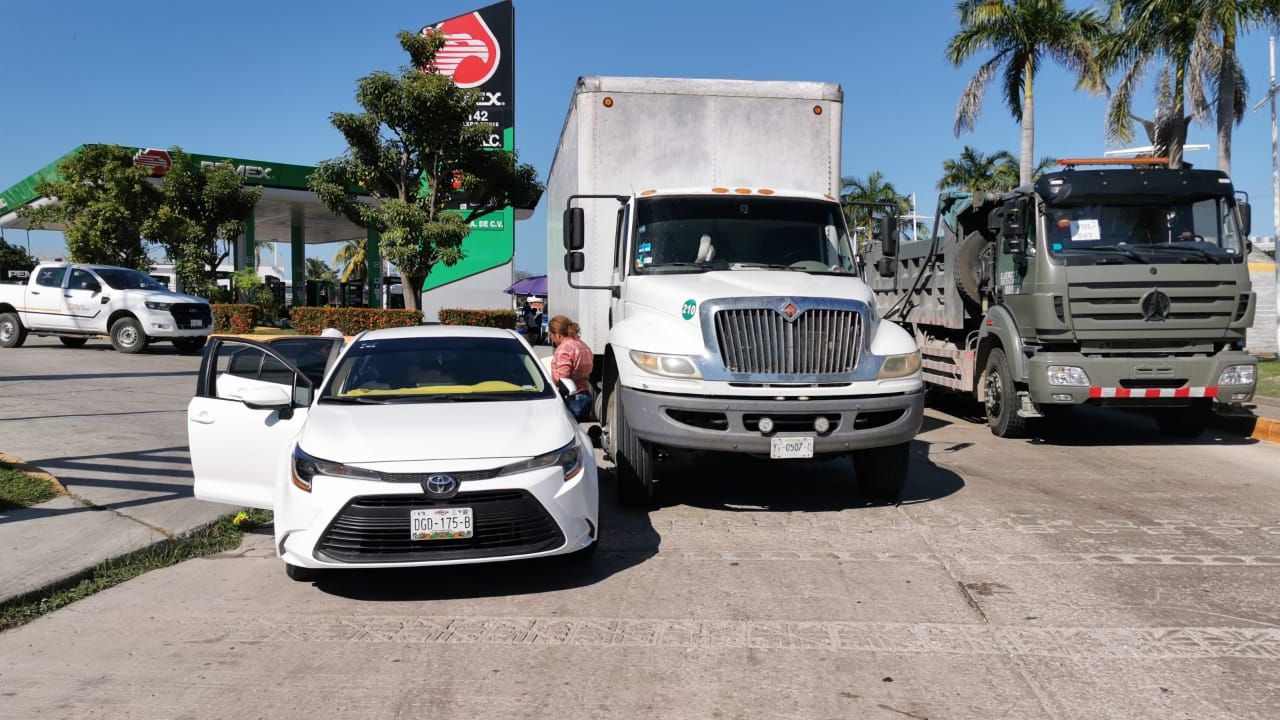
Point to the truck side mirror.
(574, 262)
(1246, 218)
(889, 235)
(574, 219)
(1013, 227)
(887, 266)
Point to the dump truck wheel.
(634, 461)
(1001, 397)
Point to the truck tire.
(73, 342)
(1184, 422)
(967, 269)
(882, 472)
(127, 336)
(12, 334)
(190, 345)
(1001, 397)
(634, 460)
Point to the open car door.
(250, 404)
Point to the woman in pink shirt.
(572, 360)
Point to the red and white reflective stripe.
(1192, 392)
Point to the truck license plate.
(441, 523)
(790, 447)
(197, 323)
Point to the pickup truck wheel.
(1184, 422)
(73, 341)
(127, 336)
(635, 460)
(1001, 401)
(882, 471)
(190, 345)
(12, 334)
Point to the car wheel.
(73, 342)
(634, 459)
(882, 472)
(301, 574)
(1001, 398)
(190, 345)
(12, 334)
(127, 336)
(1184, 422)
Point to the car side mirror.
(566, 387)
(574, 233)
(889, 235)
(1246, 218)
(273, 397)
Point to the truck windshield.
(126, 279)
(1201, 230)
(698, 234)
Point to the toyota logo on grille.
(442, 487)
(1155, 306)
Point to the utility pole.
(1275, 155)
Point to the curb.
(1249, 425)
(33, 471)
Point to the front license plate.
(197, 323)
(441, 524)
(781, 448)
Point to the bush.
(481, 318)
(235, 318)
(311, 320)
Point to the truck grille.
(1193, 304)
(764, 341)
(375, 528)
(184, 313)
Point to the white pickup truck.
(77, 302)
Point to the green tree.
(866, 199)
(414, 146)
(202, 210)
(977, 172)
(352, 257)
(13, 257)
(318, 269)
(103, 202)
(1022, 34)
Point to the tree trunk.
(1177, 127)
(1027, 161)
(412, 291)
(1226, 98)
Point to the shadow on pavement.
(627, 539)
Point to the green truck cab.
(1119, 287)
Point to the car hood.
(362, 434)
(669, 293)
(169, 297)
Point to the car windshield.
(126, 279)
(1203, 230)
(430, 369)
(697, 234)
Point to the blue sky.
(259, 79)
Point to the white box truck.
(695, 235)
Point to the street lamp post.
(1275, 154)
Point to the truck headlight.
(306, 468)
(1067, 376)
(153, 305)
(1238, 375)
(569, 458)
(677, 366)
(899, 366)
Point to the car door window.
(51, 277)
(83, 280)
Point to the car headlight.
(1067, 376)
(677, 366)
(1238, 375)
(306, 467)
(569, 458)
(899, 366)
(153, 305)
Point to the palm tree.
(1022, 33)
(318, 269)
(351, 258)
(874, 189)
(977, 172)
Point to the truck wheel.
(12, 334)
(73, 341)
(1001, 401)
(1184, 422)
(967, 269)
(882, 471)
(190, 345)
(127, 336)
(634, 460)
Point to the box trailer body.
(715, 281)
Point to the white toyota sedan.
(431, 445)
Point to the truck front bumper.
(732, 424)
(1136, 382)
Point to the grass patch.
(1269, 378)
(19, 490)
(224, 534)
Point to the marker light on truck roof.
(765, 191)
(719, 190)
(817, 109)
(607, 102)
(647, 193)
(742, 191)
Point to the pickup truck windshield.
(698, 234)
(1192, 231)
(126, 279)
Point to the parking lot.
(1097, 571)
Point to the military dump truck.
(1124, 286)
